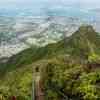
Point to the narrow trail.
(39, 90)
(39, 94)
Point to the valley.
(20, 33)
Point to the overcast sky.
(85, 3)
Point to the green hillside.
(71, 65)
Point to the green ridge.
(71, 64)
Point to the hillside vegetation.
(69, 69)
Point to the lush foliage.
(72, 80)
(70, 69)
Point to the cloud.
(83, 3)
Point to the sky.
(85, 3)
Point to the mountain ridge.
(77, 43)
(56, 63)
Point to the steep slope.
(83, 45)
(84, 41)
